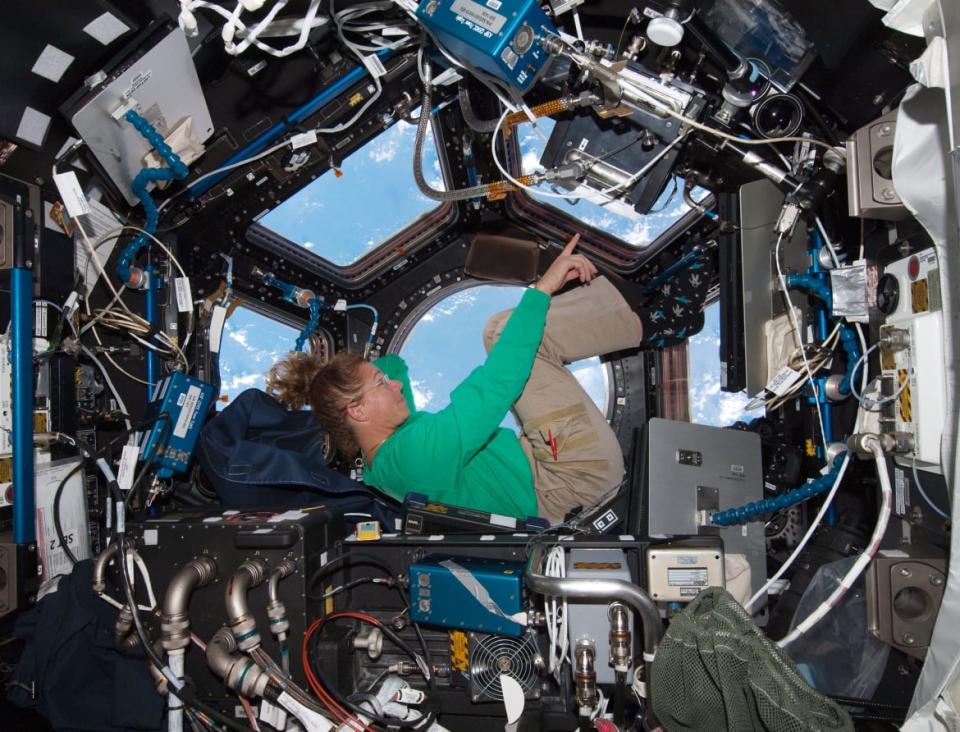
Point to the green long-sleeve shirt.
(460, 455)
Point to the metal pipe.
(603, 589)
(21, 347)
(276, 610)
(175, 621)
(243, 625)
(100, 568)
(239, 673)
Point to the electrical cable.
(886, 506)
(923, 494)
(799, 337)
(556, 612)
(868, 403)
(811, 530)
(315, 677)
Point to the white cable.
(919, 486)
(799, 337)
(828, 243)
(814, 525)
(886, 508)
(556, 611)
(866, 401)
(239, 163)
(577, 26)
(251, 37)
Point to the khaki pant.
(591, 320)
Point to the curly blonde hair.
(303, 379)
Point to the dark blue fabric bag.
(256, 453)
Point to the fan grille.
(493, 655)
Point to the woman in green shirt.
(567, 455)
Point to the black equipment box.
(230, 537)
(421, 516)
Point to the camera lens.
(778, 115)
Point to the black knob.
(888, 294)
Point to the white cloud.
(244, 381)
(385, 151)
(422, 395)
(240, 336)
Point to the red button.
(913, 267)
(8, 494)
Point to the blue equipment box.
(467, 593)
(501, 37)
(170, 443)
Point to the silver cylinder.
(243, 625)
(603, 589)
(276, 611)
(831, 388)
(601, 174)
(100, 568)
(239, 673)
(175, 621)
(585, 674)
(620, 638)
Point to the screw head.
(878, 99)
(908, 639)
(936, 580)
(905, 572)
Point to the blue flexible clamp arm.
(753, 511)
(177, 170)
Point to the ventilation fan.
(493, 655)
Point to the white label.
(121, 517)
(71, 193)
(480, 15)
(506, 521)
(128, 466)
(409, 696)
(494, 4)
(781, 383)
(186, 414)
(694, 577)
(151, 537)
(393, 31)
(73, 517)
(216, 327)
(374, 66)
(311, 721)
(273, 715)
(184, 297)
(40, 319)
(304, 138)
(900, 492)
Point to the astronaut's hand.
(567, 268)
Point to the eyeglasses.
(381, 381)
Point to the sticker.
(900, 493)
(151, 537)
(494, 4)
(784, 379)
(71, 193)
(374, 66)
(51, 63)
(480, 15)
(216, 327)
(106, 28)
(33, 126)
(505, 521)
(184, 297)
(128, 466)
(186, 414)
